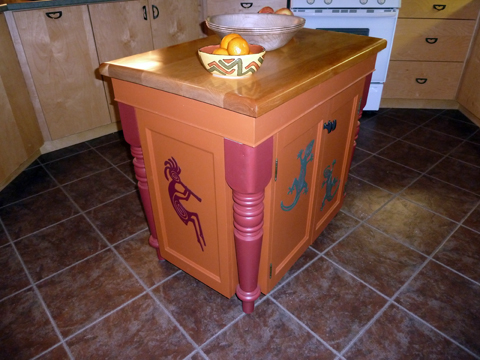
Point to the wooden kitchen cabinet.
(60, 51)
(216, 7)
(20, 135)
(430, 47)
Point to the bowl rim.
(301, 23)
(216, 46)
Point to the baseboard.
(419, 104)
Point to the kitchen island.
(239, 176)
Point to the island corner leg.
(248, 171)
(132, 137)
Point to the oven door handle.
(375, 15)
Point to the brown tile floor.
(396, 275)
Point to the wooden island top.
(309, 59)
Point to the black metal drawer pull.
(54, 15)
(155, 12)
(431, 40)
(246, 5)
(421, 80)
(439, 7)
(144, 8)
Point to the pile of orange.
(233, 44)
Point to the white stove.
(376, 18)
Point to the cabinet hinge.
(271, 269)
(276, 168)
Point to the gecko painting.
(178, 192)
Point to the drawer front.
(440, 9)
(215, 7)
(432, 39)
(422, 80)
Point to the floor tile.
(468, 152)
(412, 225)
(461, 252)
(475, 138)
(142, 258)
(116, 152)
(85, 292)
(117, 225)
(448, 302)
(433, 140)
(59, 246)
(22, 218)
(457, 115)
(140, 330)
(308, 256)
(128, 169)
(25, 330)
(268, 333)
(457, 173)
(77, 166)
(473, 220)
(414, 116)
(340, 225)
(333, 304)
(63, 153)
(12, 277)
(396, 335)
(443, 198)
(388, 125)
(363, 199)
(450, 126)
(385, 174)
(3, 237)
(200, 310)
(381, 262)
(106, 185)
(28, 183)
(57, 353)
(372, 141)
(412, 156)
(106, 139)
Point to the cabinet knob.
(439, 7)
(54, 14)
(421, 81)
(431, 40)
(246, 5)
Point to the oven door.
(368, 22)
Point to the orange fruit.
(226, 39)
(220, 51)
(238, 46)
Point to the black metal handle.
(54, 15)
(431, 40)
(439, 7)
(246, 5)
(421, 80)
(145, 16)
(155, 11)
(330, 126)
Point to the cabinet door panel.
(433, 9)
(175, 22)
(432, 40)
(121, 29)
(61, 55)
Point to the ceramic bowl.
(271, 31)
(232, 66)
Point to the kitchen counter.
(249, 200)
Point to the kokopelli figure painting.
(179, 192)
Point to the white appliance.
(376, 18)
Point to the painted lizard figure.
(330, 181)
(299, 184)
(182, 194)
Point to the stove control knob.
(381, 2)
(328, 2)
(310, 2)
(363, 2)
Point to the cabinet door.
(175, 22)
(469, 92)
(61, 56)
(337, 135)
(294, 188)
(434, 9)
(216, 7)
(121, 29)
(20, 135)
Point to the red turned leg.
(248, 171)
(132, 137)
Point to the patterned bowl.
(232, 66)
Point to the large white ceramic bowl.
(272, 31)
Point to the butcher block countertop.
(309, 59)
